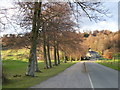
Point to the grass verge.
(114, 64)
(11, 68)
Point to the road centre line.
(89, 77)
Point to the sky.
(111, 23)
(86, 25)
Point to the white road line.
(91, 82)
(89, 78)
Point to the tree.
(31, 16)
(35, 29)
(56, 19)
(48, 50)
(44, 47)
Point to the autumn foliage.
(105, 42)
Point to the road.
(77, 76)
(101, 76)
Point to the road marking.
(91, 82)
(89, 78)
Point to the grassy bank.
(114, 64)
(15, 73)
(15, 65)
(12, 54)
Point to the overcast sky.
(109, 24)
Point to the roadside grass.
(13, 68)
(14, 65)
(20, 54)
(114, 64)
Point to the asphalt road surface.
(77, 76)
(101, 76)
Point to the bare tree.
(35, 29)
(59, 17)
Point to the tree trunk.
(44, 49)
(55, 51)
(58, 57)
(48, 50)
(80, 58)
(38, 26)
(31, 66)
(76, 59)
(65, 58)
(32, 56)
(36, 66)
(70, 58)
(55, 57)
